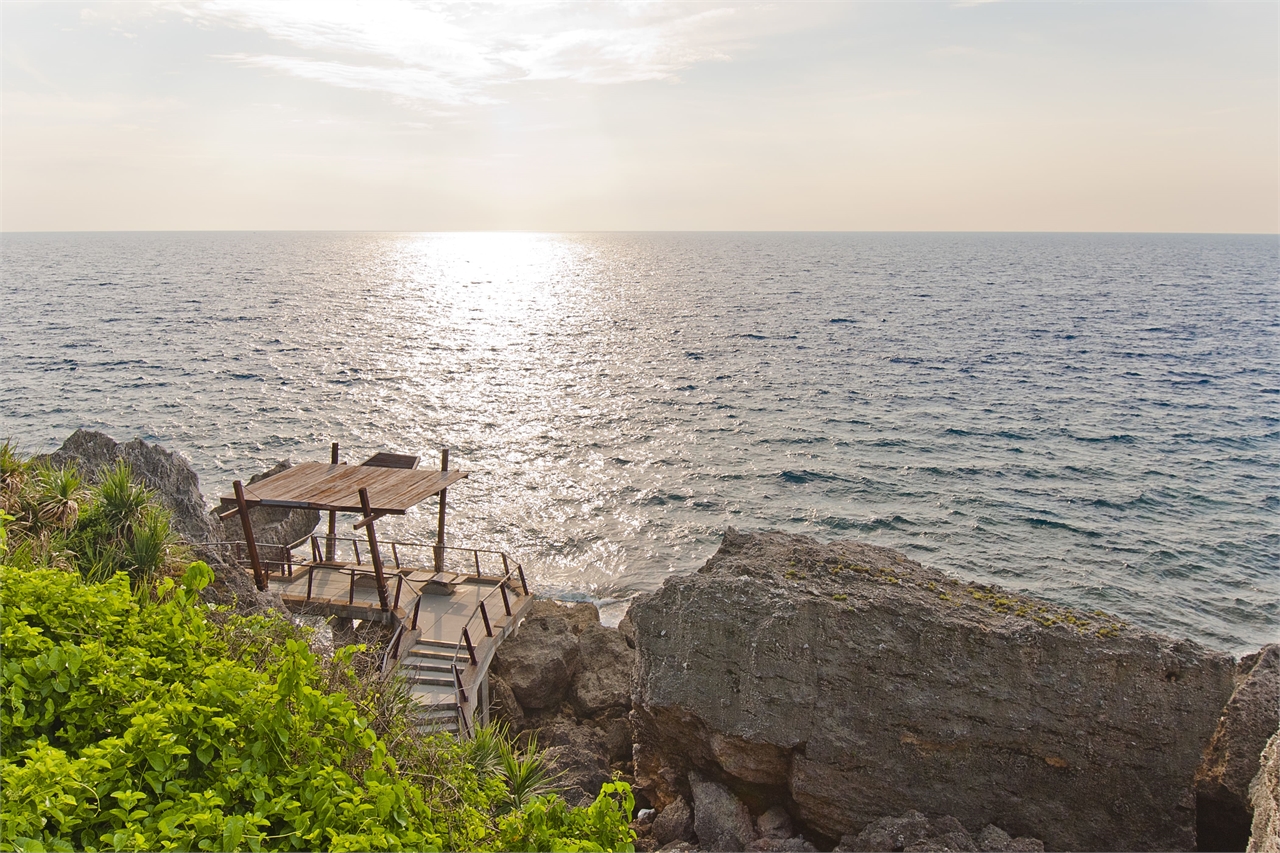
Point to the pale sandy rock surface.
(847, 682)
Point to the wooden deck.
(447, 627)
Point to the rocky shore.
(792, 695)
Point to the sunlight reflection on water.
(1088, 417)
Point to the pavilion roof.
(322, 486)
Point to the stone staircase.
(427, 667)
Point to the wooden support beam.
(368, 519)
(444, 466)
(331, 541)
(242, 507)
(367, 522)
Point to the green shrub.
(143, 720)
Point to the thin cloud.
(458, 54)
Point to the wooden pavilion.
(426, 604)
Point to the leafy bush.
(142, 720)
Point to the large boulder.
(1224, 812)
(540, 660)
(603, 681)
(170, 475)
(847, 682)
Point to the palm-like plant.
(525, 773)
(59, 494)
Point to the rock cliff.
(849, 683)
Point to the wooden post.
(444, 466)
(506, 601)
(471, 649)
(331, 542)
(373, 549)
(484, 614)
(259, 576)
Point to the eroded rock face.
(848, 682)
(540, 661)
(169, 474)
(1265, 795)
(1223, 808)
(567, 679)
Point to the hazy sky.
(235, 114)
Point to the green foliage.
(140, 719)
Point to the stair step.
(431, 680)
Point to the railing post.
(351, 596)
(259, 576)
(417, 605)
(471, 650)
(331, 542)
(477, 556)
(395, 555)
(523, 583)
(462, 691)
(484, 614)
(506, 602)
(444, 467)
(399, 586)
(311, 577)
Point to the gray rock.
(1224, 812)
(720, 820)
(503, 705)
(1264, 792)
(774, 823)
(168, 474)
(575, 755)
(879, 684)
(603, 681)
(674, 823)
(993, 839)
(1025, 844)
(781, 845)
(889, 834)
(627, 629)
(540, 660)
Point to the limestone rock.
(604, 675)
(1265, 794)
(781, 845)
(503, 705)
(720, 820)
(170, 475)
(540, 660)
(881, 685)
(888, 834)
(774, 823)
(1223, 809)
(674, 823)
(576, 756)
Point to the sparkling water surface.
(1090, 418)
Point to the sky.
(579, 116)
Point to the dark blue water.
(1091, 418)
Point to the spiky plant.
(120, 500)
(59, 494)
(525, 774)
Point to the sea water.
(1094, 419)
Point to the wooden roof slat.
(324, 486)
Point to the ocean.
(1090, 418)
